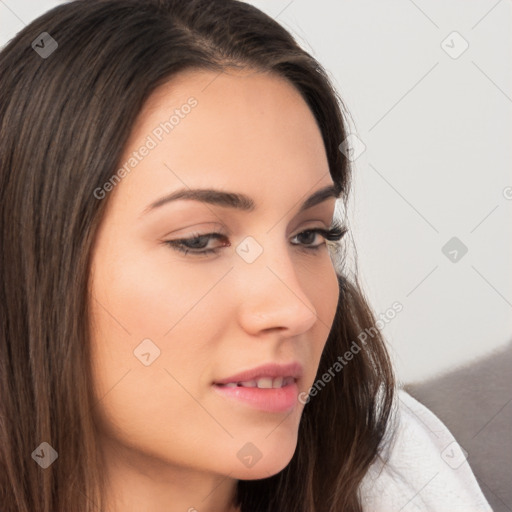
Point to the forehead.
(241, 130)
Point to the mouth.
(270, 388)
(261, 383)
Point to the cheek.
(148, 302)
(149, 413)
(136, 300)
(323, 291)
(324, 295)
(146, 293)
(328, 295)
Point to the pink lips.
(267, 370)
(268, 399)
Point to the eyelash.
(333, 234)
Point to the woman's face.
(168, 327)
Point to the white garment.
(426, 469)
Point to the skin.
(169, 440)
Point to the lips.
(267, 376)
(268, 388)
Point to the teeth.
(262, 383)
(248, 384)
(265, 383)
(277, 382)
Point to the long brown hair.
(67, 108)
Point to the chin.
(273, 460)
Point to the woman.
(179, 330)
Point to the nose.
(273, 298)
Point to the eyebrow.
(235, 200)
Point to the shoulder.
(421, 467)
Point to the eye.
(197, 245)
(333, 234)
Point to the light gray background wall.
(434, 120)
